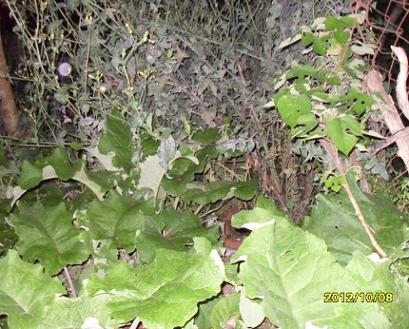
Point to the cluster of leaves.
(327, 100)
(155, 62)
(211, 62)
(122, 208)
(129, 255)
(284, 270)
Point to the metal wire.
(386, 23)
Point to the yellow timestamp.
(358, 297)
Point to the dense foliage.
(117, 223)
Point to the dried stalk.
(373, 83)
(70, 283)
(401, 93)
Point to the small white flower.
(64, 69)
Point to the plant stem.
(332, 152)
(70, 284)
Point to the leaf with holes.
(343, 131)
(47, 234)
(360, 102)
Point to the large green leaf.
(377, 278)
(333, 219)
(118, 140)
(25, 292)
(290, 270)
(225, 309)
(343, 132)
(47, 234)
(31, 174)
(165, 293)
(171, 230)
(118, 219)
(292, 108)
(83, 312)
(7, 235)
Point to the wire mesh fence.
(386, 25)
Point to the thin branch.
(402, 134)
(332, 151)
(401, 93)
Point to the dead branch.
(373, 83)
(401, 93)
(8, 109)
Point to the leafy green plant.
(110, 232)
(118, 253)
(120, 226)
(325, 103)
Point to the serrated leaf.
(333, 219)
(118, 140)
(291, 108)
(276, 255)
(165, 293)
(343, 132)
(164, 231)
(25, 292)
(117, 219)
(47, 235)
